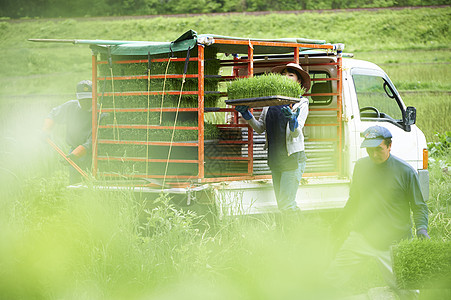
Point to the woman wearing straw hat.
(284, 138)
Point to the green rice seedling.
(141, 101)
(156, 152)
(154, 168)
(422, 264)
(211, 132)
(121, 151)
(264, 85)
(125, 118)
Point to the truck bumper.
(257, 197)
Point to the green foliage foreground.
(91, 244)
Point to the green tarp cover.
(187, 41)
(183, 43)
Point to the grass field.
(61, 244)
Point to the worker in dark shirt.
(77, 116)
(384, 191)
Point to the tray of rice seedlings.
(422, 264)
(264, 90)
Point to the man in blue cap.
(383, 192)
(77, 116)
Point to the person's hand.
(241, 108)
(291, 116)
(423, 234)
(244, 111)
(77, 153)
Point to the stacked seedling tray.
(136, 136)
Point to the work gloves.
(78, 152)
(291, 116)
(422, 234)
(244, 111)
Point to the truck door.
(380, 104)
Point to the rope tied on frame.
(164, 89)
(115, 124)
(185, 69)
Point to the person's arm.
(418, 206)
(258, 125)
(56, 115)
(59, 114)
(296, 127)
(296, 117)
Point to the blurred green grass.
(93, 244)
(384, 36)
(433, 111)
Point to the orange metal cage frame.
(249, 65)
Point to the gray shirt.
(78, 123)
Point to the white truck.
(227, 169)
(368, 97)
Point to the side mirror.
(411, 116)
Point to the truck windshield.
(375, 98)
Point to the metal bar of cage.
(94, 115)
(145, 77)
(122, 142)
(339, 113)
(200, 111)
(250, 131)
(138, 61)
(148, 127)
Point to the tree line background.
(15, 9)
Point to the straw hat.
(306, 82)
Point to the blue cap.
(374, 136)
